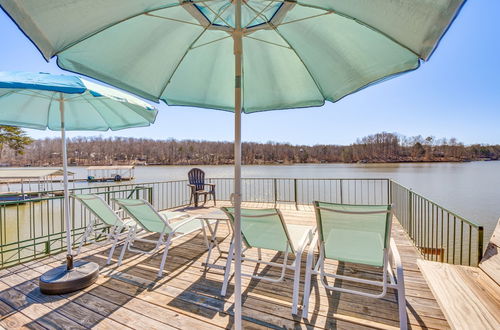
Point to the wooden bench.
(468, 296)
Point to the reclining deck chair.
(266, 229)
(153, 221)
(357, 234)
(114, 226)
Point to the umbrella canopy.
(60, 102)
(237, 55)
(31, 100)
(296, 53)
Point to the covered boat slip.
(110, 173)
(28, 183)
(188, 296)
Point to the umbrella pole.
(238, 49)
(69, 256)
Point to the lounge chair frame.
(113, 232)
(391, 259)
(169, 234)
(295, 265)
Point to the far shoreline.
(266, 164)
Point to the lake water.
(469, 189)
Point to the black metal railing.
(440, 234)
(34, 228)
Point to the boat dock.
(110, 173)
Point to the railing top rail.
(470, 222)
(40, 199)
(332, 179)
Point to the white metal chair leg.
(227, 271)
(130, 237)
(296, 275)
(307, 280)
(204, 232)
(307, 286)
(89, 229)
(296, 282)
(165, 253)
(115, 236)
(403, 318)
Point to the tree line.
(376, 148)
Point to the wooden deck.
(187, 297)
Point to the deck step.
(469, 298)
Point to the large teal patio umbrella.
(62, 103)
(237, 55)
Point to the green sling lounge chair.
(358, 234)
(266, 229)
(152, 221)
(114, 226)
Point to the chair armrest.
(310, 251)
(395, 258)
(306, 240)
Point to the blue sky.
(455, 94)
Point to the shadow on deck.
(188, 296)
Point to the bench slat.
(466, 301)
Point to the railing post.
(410, 213)
(73, 214)
(150, 195)
(295, 194)
(480, 238)
(275, 192)
(389, 191)
(341, 184)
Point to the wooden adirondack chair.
(197, 184)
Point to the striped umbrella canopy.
(237, 55)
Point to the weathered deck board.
(188, 297)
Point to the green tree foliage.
(15, 138)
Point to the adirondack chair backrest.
(197, 177)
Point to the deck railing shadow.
(100, 301)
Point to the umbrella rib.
(186, 52)
(118, 22)
(267, 42)
(298, 56)
(306, 18)
(22, 92)
(361, 22)
(219, 16)
(126, 104)
(8, 93)
(48, 109)
(93, 106)
(172, 19)
(211, 42)
(255, 17)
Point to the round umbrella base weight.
(60, 280)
